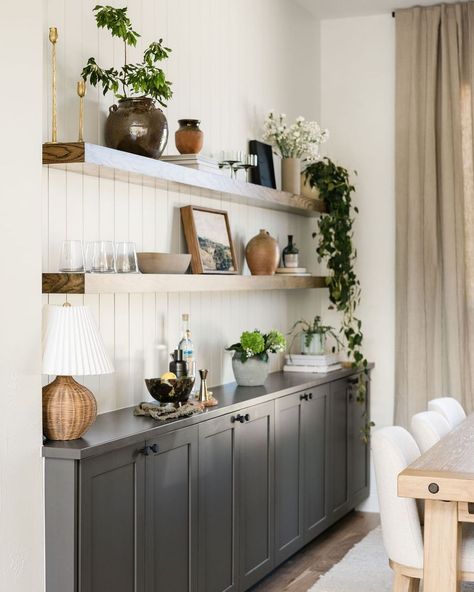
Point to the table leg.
(442, 547)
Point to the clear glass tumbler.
(126, 258)
(71, 258)
(102, 257)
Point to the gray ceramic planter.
(253, 372)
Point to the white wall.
(231, 62)
(357, 105)
(21, 507)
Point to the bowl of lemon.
(170, 389)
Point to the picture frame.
(264, 172)
(209, 240)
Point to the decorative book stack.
(194, 161)
(315, 364)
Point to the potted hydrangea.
(300, 140)
(250, 362)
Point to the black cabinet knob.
(247, 417)
(154, 448)
(145, 451)
(310, 395)
(304, 397)
(238, 417)
(241, 418)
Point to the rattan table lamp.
(72, 346)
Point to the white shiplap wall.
(231, 62)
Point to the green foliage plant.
(309, 330)
(255, 344)
(141, 79)
(336, 248)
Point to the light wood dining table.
(443, 477)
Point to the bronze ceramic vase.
(189, 138)
(263, 254)
(137, 125)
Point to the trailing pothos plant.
(141, 79)
(336, 248)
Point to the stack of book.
(318, 364)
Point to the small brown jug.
(262, 253)
(189, 137)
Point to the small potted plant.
(136, 125)
(313, 336)
(250, 362)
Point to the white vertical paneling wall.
(231, 62)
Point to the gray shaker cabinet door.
(338, 447)
(315, 422)
(359, 465)
(217, 499)
(255, 486)
(171, 512)
(289, 499)
(111, 522)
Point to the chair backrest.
(449, 408)
(428, 427)
(393, 450)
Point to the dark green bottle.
(290, 253)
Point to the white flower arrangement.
(300, 139)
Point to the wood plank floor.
(302, 570)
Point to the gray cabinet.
(301, 467)
(211, 503)
(349, 478)
(138, 519)
(171, 512)
(236, 499)
(112, 522)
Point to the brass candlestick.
(81, 91)
(205, 396)
(53, 37)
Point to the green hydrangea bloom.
(276, 342)
(252, 342)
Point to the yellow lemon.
(168, 376)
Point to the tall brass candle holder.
(53, 37)
(81, 91)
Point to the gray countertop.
(120, 428)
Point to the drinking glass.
(102, 257)
(72, 257)
(126, 258)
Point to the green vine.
(336, 247)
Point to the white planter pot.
(316, 346)
(291, 175)
(253, 372)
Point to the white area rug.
(364, 569)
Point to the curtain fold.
(434, 206)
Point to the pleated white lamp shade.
(72, 343)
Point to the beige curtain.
(434, 207)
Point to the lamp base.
(69, 409)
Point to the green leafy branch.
(144, 78)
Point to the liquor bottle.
(290, 253)
(187, 347)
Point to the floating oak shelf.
(98, 160)
(79, 283)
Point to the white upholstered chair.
(428, 427)
(393, 449)
(449, 408)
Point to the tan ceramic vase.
(263, 254)
(189, 138)
(291, 175)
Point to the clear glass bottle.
(290, 253)
(187, 347)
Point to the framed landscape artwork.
(209, 240)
